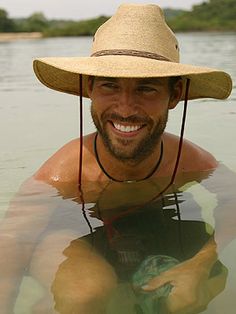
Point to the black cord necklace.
(113, 179)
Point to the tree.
(6, 24)
(213, 15)
(37, 22)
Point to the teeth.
(127, 128)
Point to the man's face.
(130, 114)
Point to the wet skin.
(129, 112)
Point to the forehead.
(147, 80)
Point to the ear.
(90, 83)
(176, 94)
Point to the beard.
(144, 147)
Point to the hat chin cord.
(80, 133)
(81, 155)
(179, 146)
(181, 134)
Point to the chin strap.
(81, 155)
(80, 133)
(182, 131)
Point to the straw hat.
(135, 42)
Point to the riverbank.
(19, 36)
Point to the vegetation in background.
(37, 22)
(211, 15)
(73, 28)
(6, 24)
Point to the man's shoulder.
(196, 158)
(193, 157)
(64, 164)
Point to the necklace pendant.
(130, 181)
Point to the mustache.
(130, 119)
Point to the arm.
(191, 278)
(24, 221)
(192, 288)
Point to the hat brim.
(63, 74)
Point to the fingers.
(184, 297)
(156, 283)
(190, 293)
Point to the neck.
(128, 171)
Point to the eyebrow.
(103, 78)
(148, 80)
(151, 80)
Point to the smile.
(127, 128)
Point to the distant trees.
(6, 24)
(218, 15)
(73, 28)
(211, 15)
(36, 22)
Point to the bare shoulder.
(196, 158)
(63, 165)
(193, 157)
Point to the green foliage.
(213, 15)
(172, 13)
(6, 24)
(37, 22)
(72, 28)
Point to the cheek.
(156, 109)
(100, 103)
(159, 117)
(98, 110)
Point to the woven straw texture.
(135, 42)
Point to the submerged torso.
(128, 222)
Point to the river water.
(36, 121)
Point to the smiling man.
(133, 78)
(130, 115)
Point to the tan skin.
(73, 291)
(151, 98)
(125, 100)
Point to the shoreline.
(19, 36)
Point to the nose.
(127, 102)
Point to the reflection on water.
(95, 257)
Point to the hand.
(192, 288)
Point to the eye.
(109, 85)
(146, 89)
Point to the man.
(133, 78)
(128, 108)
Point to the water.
(36, 121)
